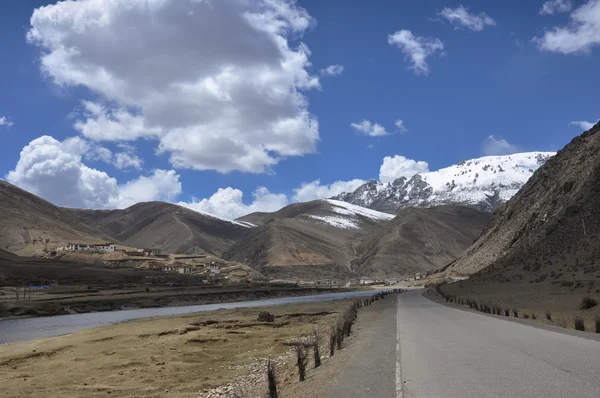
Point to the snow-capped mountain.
(484, 183)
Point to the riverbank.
(80, 300)
(177, 356)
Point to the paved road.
(418, 348)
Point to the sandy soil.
(181, 356)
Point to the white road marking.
(399, 392)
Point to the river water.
(14, 330)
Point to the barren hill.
(420, 240)
(30, 224)
(552, 222)
(165, 226)
(306, 240)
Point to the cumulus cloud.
(416, 49)
(400, 166)
(55, 171)
(370, 129)
(552, 6)
(579, 36)
(314, 190)
(493, 146)
(460, 17)
(218, 84)
(161, 185)
(5, 122)
(584, 125)
(400, 126)
(332, 70)
(228, 203)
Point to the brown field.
(182, 356)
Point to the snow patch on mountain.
(337, 221)
(350, 209)
(483, 183)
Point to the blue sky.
(176, 100)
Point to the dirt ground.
(562, 299)
(182, 356)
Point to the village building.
(97, 248)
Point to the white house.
(99, 248)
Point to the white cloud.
(400, 166)
(55, 171)
(400, 126)
(314, 190)
(582, 33)
(125, 160)
(161, 185)
(493, 146)
(416, 48)
(217, 83)
(5, 122)
(552, 6)
(370, 129)
(332, 70)
(460, 17)
(227, 203)
(584, 125)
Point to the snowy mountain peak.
(483, 183)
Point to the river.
(13, 330)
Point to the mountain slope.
(483, 183)
(551, 228)
(165, 226)
(419, 240)
(306, 240)
(30, 224)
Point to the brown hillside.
(29, 224)
(420, 240)
(165, 226)
(296, 242)
(542, 249)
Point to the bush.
(579, 325)
(272, 379)
(332, 340)
(587, 303)
(301, 361)
(597, 323)
(525, 316)
(548, 315)
(515, 313)
(316, 342)
(533, 316)
(265, 316)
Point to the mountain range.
(483, 183)
(382, 229)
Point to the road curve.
(441, 351)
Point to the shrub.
(525, 316)
(587, 303)
(515, 313)
(272, 379)
(301, 361)
(533, 316)
(316, 353)
(506, 312)
(548, 315)
(332, 340)
(579, 325)
(597, 323)
(265, 316)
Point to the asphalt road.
(418, 348)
